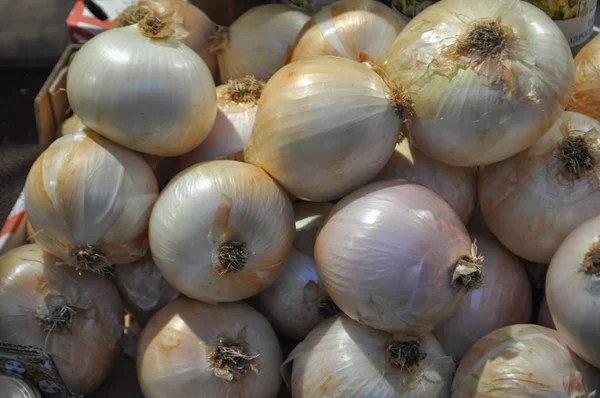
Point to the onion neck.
(89, 258)
(233, 256)
(591, 261)
(576, 156)
(406, 355)
(219, 41)
(232, 360)
(467, 273)
(132, 15)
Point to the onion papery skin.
(523, 361)
(473, 109)
(456, 185)
(532, 201)
(257, 42)
(87, 193)
(324, 127)
(544, 317)
(152, 95)
(360, 30)
(310, 217)
(342, 358)
(174, 348)
(33, 284)
(387, 254)
(71, 125)
(573, 290)
(586, 90)
(143, 288)
(210, 209)
(504, 300)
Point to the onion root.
(233, 256)
(576, 155)
(154, 28)
(468, 273)
(60, 317)
(405, 355)
(231, 361)
(91, 259)
(245, 90)
(591, 261)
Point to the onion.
(573, 290)
(191, 349)
(30, 231)
(586, 91)
(532, 201)
(544, 317)
(143, 288)
(324, 127)
(342, 358)
(487, 77)
(456, 185)
(76, 317)
(89, 201)
(236, 111)
(191, 26)
(361, 30)
(523, 361)
(394, 256)
(71, 125)
(504, 300)
(257, 42)
(297, 301)
(310, 217)
(143, 89)
(220, 231)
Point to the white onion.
(487, 78)
(523, 361)
(143, 89)
(573, 290)
(586, 90)
(297, 301)
(76, 317)
(89, 201)
(394, 256)
(342, 358)
(456, 185)
(143, 288)
(544, 317)
(532, 201)
(504, 300)
(220, 231)
(237, 103)
(257, 42)
(309, 217)
(191, 349)
(324, 127)
(361, 30)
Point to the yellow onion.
(456, 185)
(342, 358)
(221, 230)
(544, 317)
(394, 256)
(143, 288)
(237, 102)
(361, 30)
(257, 42)
(76, 317)
(324, 127)
(586, 91)
(192, 27)
(89, 201)
(468, 66)
(309, 217)
(532, 201)
(523, 361)
(191, 349)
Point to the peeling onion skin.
(32, 282)
(387, 254)
(523, 361)
(342, 358)
(360, 30)
(573, 290)
(174, 347)
(586, 91)
(544, 317)
(476, 110)
(531, 202)
(310, 217)
(456, 185)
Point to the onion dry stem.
(91, 259)
(405, 355)
(468, 272)
(591, 261)
(132, 15)
(327, 308)
(155, 28)
(219, 41)
(231, 361)
(245, 90)
(233, 256)
(576, 155)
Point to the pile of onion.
(309, 217)
(524, 361)
(89, 201)
(573, 290)
(393, 255)
(221, 230)
(342, 358)
(361, 30)
(191, 349)
(257, 42)
(586, 91)
(532, 201)
(325, 126)
(467, 65)
(76, 317)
